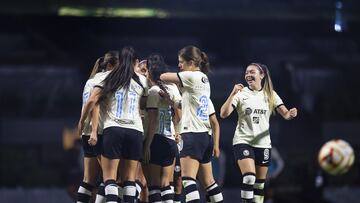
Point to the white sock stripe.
(129, 191)
(212, 187)
(112, 202)
(151, 192)
(111, 190)
(216, 198)
(84, 191)
(168, 201)
(138, 188)
(247, 194)
(258, 199)
(192, 196)
(100, 199)
(102, 184)
(163, 193)
(172, 188)
(187, 183)
(259, 186)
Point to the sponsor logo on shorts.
(246, 152)
(266, 154)
(177, 168)
(264, 162)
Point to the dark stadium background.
(48, 47)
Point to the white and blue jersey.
(195, 100)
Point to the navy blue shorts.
(163, 151)
(92, 151)
(261, 156)
(198, 146)
(122, 143)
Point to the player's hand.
(80, 128)
(177, 138)
(216, 151)
(292, 113)
(237, 88)
(93, 139)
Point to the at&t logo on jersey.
(259, 111)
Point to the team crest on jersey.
(246, 152)
(204, 80)
(266, 154)
(248, 111)
(256, 120)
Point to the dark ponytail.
(204, 64)
(156, 67)
(98, 67)
(121, 75)
(200, 59)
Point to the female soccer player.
(195, 85)
(251, 143)
(206, 177)
(120, 96)
(160, 147)
(92, 152)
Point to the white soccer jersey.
(123, 107)
(195, 101)
(89, 86)
(211, 111)
(253, 114)
(165, 125)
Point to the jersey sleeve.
(186, 78)
(211, 108)
(153, 99)
(176, 96)
(277, 100)
(236, 100)
(99, 80)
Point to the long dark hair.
(121, 75)
(102, 63)
(200, 59)
(157, 66)
(98, 67)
